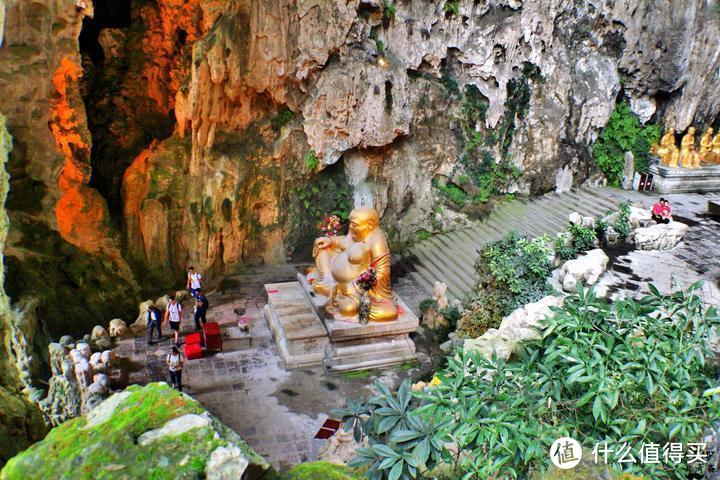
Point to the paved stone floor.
(278, 412)
(696, 257)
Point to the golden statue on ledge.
(666, 149)
(688, 155)
(341, 260)
(705, 150)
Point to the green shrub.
(282, 118)
(311, 161)
(631, 371)
(563, 248)
(623, 133)
(401, 445)
(320, 471)
(622, 223)
(426, 304)
(512, 272)
(452, 7)
(583, 238)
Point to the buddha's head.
(691, 131)
(363, 221)
(710, 130)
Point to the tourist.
(173, 315)
(201, 307)
(193, 283)
(175, 364)
(662, 211)
(153, 323)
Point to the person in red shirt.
(662, 211)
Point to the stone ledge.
(684, 180)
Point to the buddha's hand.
(321, 244)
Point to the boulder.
(162, 302)
(106, 445)
(84, 350)
(182, 295)
(142, 313)
(98, 332)
(662, 236)
(67, 341)
(639, 216)
(440, 294)
(342, 447)
(523, 323)
(118, 328)
(107, 357)
(491, 341)
(96, 361)
(585, 269)
(226, 462)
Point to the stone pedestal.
(305, 337)
(684, 180)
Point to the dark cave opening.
(108, 14)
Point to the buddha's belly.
(343, 270)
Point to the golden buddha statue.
(705, 145)
(714, 155)
(688, 155)
(340, 260)
(666, 149)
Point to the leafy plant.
(563, 247)
(583, 238)
(427, 304)
(311, 161)
(623, 133)
(282, 118)
(389, 10)
(601, 227)
(622, 223)
(452, 7)
(511, 272)
(401, 445)
(631, 371)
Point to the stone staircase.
(451, 257)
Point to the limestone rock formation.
(662, 236)
(585, 270)
(522, 325)
(139, 433)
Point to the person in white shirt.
(173, 316)
(175, 362)
(193, 282)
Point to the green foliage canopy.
(624, 133)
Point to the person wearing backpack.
(201, 307)
(193, 283)
(173, 316)
(175, 363)
(153, 323)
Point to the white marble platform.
(683, 180)
(305, 337)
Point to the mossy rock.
(121, 439)
(321, 471)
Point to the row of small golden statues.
(687, 156)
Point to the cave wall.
(153, 142)
(61, 248)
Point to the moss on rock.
(321, 471)
(109, 442)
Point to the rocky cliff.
(152, 134)
(141, 432)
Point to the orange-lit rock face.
(81, 211)
(171, 27)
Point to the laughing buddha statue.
(340, 260)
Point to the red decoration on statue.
(330, 226)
